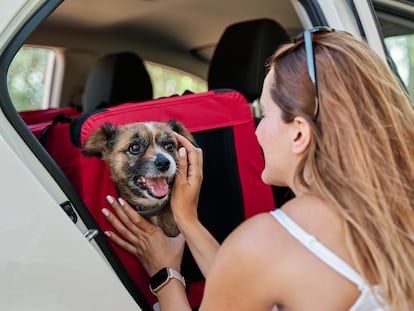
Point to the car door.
(46, 261)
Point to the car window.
(401, 50)
(399, 40)
(29, 78)
(168, 81)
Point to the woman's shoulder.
(263, 235)
(253, 233)
(309, 212)
(267, 253)
(306, 211)
(314, 215)
(254, 254)
(260, 234)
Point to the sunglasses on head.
(307, 38)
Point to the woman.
(337, 129)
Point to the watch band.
(163, 277)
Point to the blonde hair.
(361, 155)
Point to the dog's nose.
(162, 163)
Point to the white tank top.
(369, 300)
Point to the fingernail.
(107, 233)
(105, 212)
(110, 199)
(121, 201)
(182, 152)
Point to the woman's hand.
(184, 203)
(187, 184)
(144, 240)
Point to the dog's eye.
(135, 148)
(169, 147)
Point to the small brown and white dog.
(142, 158)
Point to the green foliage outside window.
(167, 81)
(401, 49)
(27, 76)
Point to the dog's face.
(142, 158)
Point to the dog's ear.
(179, 128)
(100, 141)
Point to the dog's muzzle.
(157, 187)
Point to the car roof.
(161, 31)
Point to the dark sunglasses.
(307, 38)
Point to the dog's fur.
(142, 158)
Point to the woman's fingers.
(187, 184)
(119, 226)
(184, 142)
(131, 226)
(129, 240)
(121, 242)
(143, 239)
(190, 161)
(195, 155)
(129, 217)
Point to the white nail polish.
(105, 212)
(121, 201)
(182, 152)
(110, 199)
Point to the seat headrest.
(117, 78)
(239, 59)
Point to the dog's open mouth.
(156, 187)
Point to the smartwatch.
(162, 277)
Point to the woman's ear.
(301, 135)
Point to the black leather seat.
(117, 78)
(239, 59)
(238, 63)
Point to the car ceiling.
(175, 25)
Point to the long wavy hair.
(361, 155)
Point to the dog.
(142, 158)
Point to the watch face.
(159, 278)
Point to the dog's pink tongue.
(158, 186)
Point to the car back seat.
(38, 120)
(115, 79)
(232, 190)
(44, 115)
(239, 59)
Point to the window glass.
(399, 41)
(29, 77)
(401, 49)
(167, 81)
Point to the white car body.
(46, 263)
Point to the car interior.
(102, 55)
(179, 34)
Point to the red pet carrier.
(232, 190)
